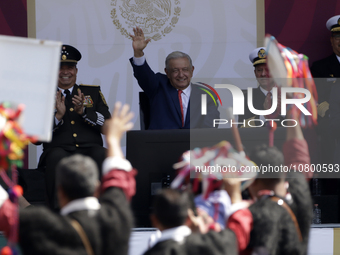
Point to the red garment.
(296, 152)
(121, 179)
(115, 178)
(241, 222)
(7, 211)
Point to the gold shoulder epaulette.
(89, 85)
(323, 108)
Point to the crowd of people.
(89, 187)
(96, 218)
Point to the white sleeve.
(56, 121)
(3, 195)
(139, 61)
(116, 163)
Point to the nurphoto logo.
(238, 104)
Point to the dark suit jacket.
(165, 111)
(212, 243)
(258, 100)
(81, 131)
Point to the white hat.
(258, 56)
(333, 24)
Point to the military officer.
(262, 95)
(80, 113)
(327, 74)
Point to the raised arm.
(295, 149)
(117, 171)
(138, 42)
(241, 219)
(116, 127)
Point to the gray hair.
(175, 55)
(77, 175)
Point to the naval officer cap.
(333, 24)
(69, 55)
(258, 56)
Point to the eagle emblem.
(262, 53)
(157, 18)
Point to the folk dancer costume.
(107, 221)
(181, 240)
(274, 230)
(216, 203)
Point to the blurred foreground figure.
(282, 203)
(87, 224)
(174, 216)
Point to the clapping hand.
(78, 102)
(60, 105)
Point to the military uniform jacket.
(327, 68)
(258, 100)
(81, 131)
(211, 243)
(165, 111)
(334, 121)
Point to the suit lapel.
(75, 90)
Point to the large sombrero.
(290, 69)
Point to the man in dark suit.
(175, 102)
(80, 113)
(262, 95)
(327, 73)
(101, 212)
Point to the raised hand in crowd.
(115, 127)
